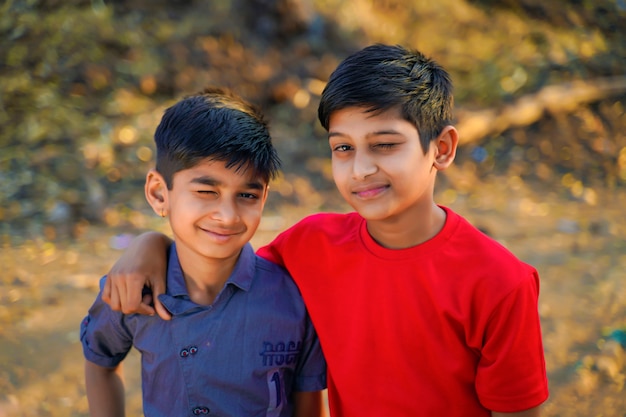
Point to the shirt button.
(193, 350)
(200, 410)
(184, 353)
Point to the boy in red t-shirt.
(418, 312)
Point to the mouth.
(220, 235)
(371, 191)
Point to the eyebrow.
(204, 180)
(375, 133)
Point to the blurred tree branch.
(562, 98)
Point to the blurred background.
(540, 90)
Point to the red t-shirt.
(446, 328)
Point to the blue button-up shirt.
(243, 355)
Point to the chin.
(221, 252)
(372, 215)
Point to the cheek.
(251, 216)
(250, 210)
(184, 202)
(341, 172)
(189, 207)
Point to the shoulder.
(270, 274)
(484, 255)
(266, 267)
(274, 288)
(469, 240)
(101, 319)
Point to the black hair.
(383, 77)
(219, 125)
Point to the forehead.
(362, 120)
(219, 172)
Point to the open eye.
(342, 148)
(249, 196)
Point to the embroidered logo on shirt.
(280, 353)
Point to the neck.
(408, 230)
(205, 277)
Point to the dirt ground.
(578, 248)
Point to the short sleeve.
(104, 338)
(272, 251)
(311, 369)
(511, 374)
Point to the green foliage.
(83, 83)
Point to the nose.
(226, 211)
(363, 165)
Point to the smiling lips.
(370, 191)
(222, 235)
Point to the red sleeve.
(511, 374)
(272, 251)
(284, 248)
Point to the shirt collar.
(241, 277)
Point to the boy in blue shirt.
(240, 342)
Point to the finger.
(158, 289)
(161, 310)
(114, 298)
(146, 298)
(146, 306)
(106, 291)
(145, 309)
(130, 295)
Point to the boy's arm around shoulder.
(105, 390)
(143, 264)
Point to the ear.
(445, 147)
(266, 192)
(157, 192)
